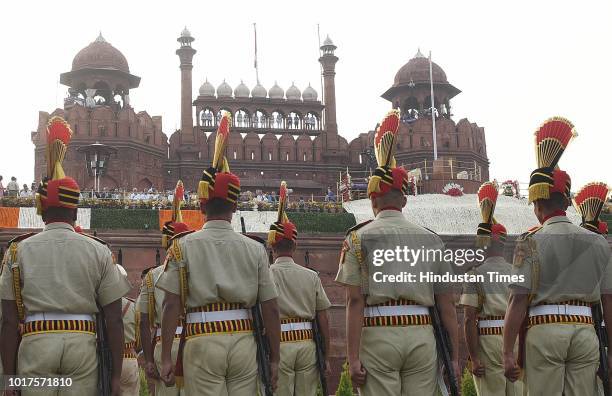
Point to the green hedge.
(322, 222)
(142, 219)
(132, 219)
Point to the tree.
(345, 387)
(467, 384)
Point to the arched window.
(259, 119)
(277, 120)
(252, 155)
(287, 156)
(294, 121)
(241, 120)
(207, 117)
(304, 157)
(269, 155)
(235, 155)
(311, 121)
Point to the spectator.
(1, 188)
(34, 187)
(330, 197)
(302, 204)
(25, 192)
(13, 187)
(273, 197)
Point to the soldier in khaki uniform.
(53, 282)
(589, 202)
(130, 376)
(300, 298)
(217, 275)
(565, 269)
(150, 307)
(485, 305)
(391, 343)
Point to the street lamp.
(96, 157)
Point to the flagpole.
(255, 64)
(433, 115)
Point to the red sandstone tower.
(186, 53)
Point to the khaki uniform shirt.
(63, 271)
(223, 265)
(391, 227)
(129, 321)
(562, 261)
(494, 293)
(300, 293)
(158, 295)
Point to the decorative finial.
(419, 54)
(100, 39)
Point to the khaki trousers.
(221, 365)
(561, 359)
(494, 383)
(399, 361)
(160, 388)
(298, 373)
(130, 378)
(60, 354)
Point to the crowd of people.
(118, 198)
(12, 189)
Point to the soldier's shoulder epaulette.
(530, 232)
(181, 234)
(358, 226)
(256, 238)
(20, 238)
(175, 252)
(95, 238)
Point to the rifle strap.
(150, 297)
(16, 272)
(535, 269)
(362, 264)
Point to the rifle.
(105, 359)
(263, 348)
(603, 344)
(444, 349)
(319, 342)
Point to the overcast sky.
(517, 64)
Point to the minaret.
(328, 62)
(186, 53)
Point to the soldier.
(589, 202)
(391, 346)
(54, 281)
(130, 376)
(150, 304)
(485, 304)
(561, 270)
(300, 298)
(217, 274)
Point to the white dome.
(242, 91)
(259, 91)
(224, 90)
(328, 42)
(185, 32)
(276, 92)
(207, 89)
(294, 93)
(310, 94)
